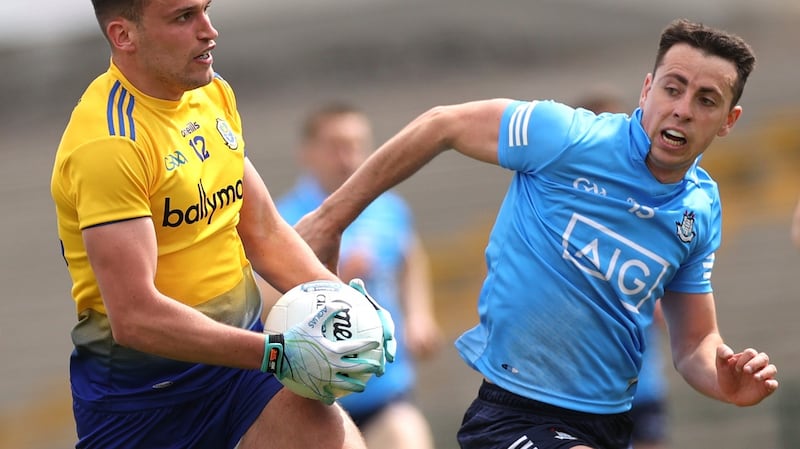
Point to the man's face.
(685, 104)
(172, 47)
(339, 146)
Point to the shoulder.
(703, 181)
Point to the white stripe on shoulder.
(708, 265)
(518, 125)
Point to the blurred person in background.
(381, 247)
(163, 221)
(796, 226)
(649, 410)
(605, 214)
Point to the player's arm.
(278, 254)
(123, 256)
(469, 128)
(702, 358)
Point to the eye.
(671, 91)
(705, 101)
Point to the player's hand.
(317, 367)
(745, 378)
(324, 242)
(389, 343)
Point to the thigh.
(289, 421)
(399, 425)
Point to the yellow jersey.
(126, 155)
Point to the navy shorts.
(649, 422)
(499, 419)
(213, 419)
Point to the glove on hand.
(311, 365)
(389, 343)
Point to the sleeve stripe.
(110, 109)
(518, 125)
(124, 117)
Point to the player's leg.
(399, 425)
(290, 421)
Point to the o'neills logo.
(204, 208)
(342, 325)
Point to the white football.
(359, 320)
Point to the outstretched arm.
(469, 128)
(705, 361)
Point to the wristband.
(273, 353)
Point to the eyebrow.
(683, 80)
(180, 10)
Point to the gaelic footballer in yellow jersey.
(174, 161)
(180, 164)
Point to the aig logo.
(633, 271)
(174, 160)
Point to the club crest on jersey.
(227, 134)
(685, 227)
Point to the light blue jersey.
(385, 228)
(652, 384)
(584, 243)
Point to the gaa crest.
(685, 227)
(227, 134)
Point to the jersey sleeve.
(695, 275)
(531, 133)
(108, 181)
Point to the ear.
(730, 120)
(122, 35)
(646, 86)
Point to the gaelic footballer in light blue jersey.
(605, 214)
(591, 277)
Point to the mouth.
(673, 138)
(203, 57)
(206, 55)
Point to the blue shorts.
(212, 419)
(649, 421)
(499, 419)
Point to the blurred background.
(396, 59)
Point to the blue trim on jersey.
(120, 115)
(585, 241)
(131, 104)
(118, 105)
(110, 108)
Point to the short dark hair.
(713, 42)
(105, 10)
(317, 116)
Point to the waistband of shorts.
(497, 395)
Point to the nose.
(207, 30)
(682, 108)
